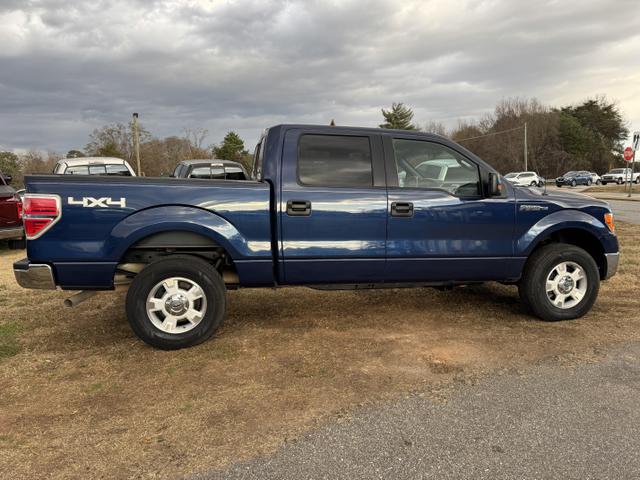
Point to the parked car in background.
(106, 166)
(325, 208)
(525, 179)
(10, 213)
(595, 178)
(620, 176)
(573, 178)
(211, 169)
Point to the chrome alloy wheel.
(566, 285)
(176, 305)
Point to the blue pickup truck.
(327, 207)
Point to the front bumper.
(612, 264)
(34, 275)
(15, 233)
(563, 181)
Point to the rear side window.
(335, 161)
(77, 170)
(118, 170)
(234, 173)
(200, 172)
(97, 170)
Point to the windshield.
(617, 170)
(568, 174)
(511, 175)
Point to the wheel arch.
(568, 226)
(579, 237)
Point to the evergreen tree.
(231, 148)
(75, 154)
(399, 117)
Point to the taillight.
(41, 212)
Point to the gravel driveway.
(547, 422)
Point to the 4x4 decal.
(103, 202)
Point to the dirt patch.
(81, 397)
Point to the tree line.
(586, 136)
(158, 156)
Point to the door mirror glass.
(7, 179)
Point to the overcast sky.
(227, 65)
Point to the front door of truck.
(332, 207)
(441, 226)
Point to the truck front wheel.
(560, 282)
(176, 302)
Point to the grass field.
(81, 397)
(611, 189)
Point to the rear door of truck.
(333, 207)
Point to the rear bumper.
(612, 264)
(16, 233)
(34, 275)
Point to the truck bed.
(102, 217)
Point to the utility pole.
(136, 141)
(525, 146)
(636, 139)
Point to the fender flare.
(179, 218)
(555, 222)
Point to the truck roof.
(329, 129)
(74, 162)
(207, 161)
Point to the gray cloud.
(67, 69)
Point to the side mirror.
(495, 187)
(7, 178)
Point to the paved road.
(550, 422)
(625, 210)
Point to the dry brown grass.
(611, 189)
(81, 397)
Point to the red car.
(10, 214)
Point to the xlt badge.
(533, 208)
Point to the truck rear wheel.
(176, 302)
(560, 282)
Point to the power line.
(492, 133)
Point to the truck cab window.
(118, 170)
(423, 164)
(335, 161)
(201, 172)
(77, 170)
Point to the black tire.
(589, 182)
(186, 266)
(637, 180)
(604, 183)
(532, 285)
(573, 183)
(620, 181)
(533, 184)
(598, 182)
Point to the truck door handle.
(299, 208)
(402, 209)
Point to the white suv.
(525, 179)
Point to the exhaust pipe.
(78, 298)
